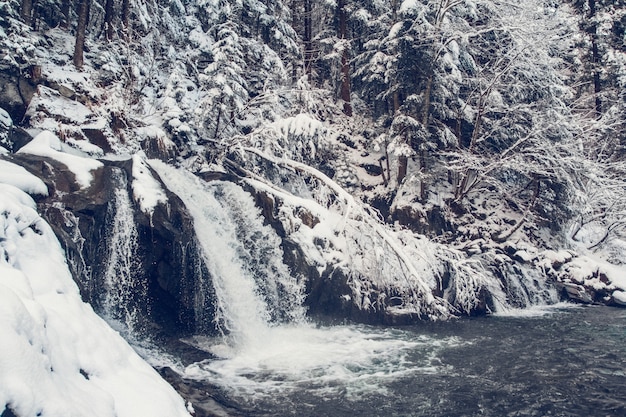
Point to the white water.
(269, 349)
(123, 288)
(265, 353)
(346, 361)
(255, 291)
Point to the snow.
(47, 144)
(54, 104)
(620, 297)
(17, 176)
(587, 270)
(147, 191)
(345, 236)
(408, 6)
(57, 357)
(5, 119)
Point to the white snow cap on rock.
(17, 176)
(147, 191)
(49, 145)
(57, 357)
(5, 119)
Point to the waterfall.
(124, 287)
(255, 290)
(526, 287)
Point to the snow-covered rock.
(619, 297)
(47, 144)
(57, 357)
(147, 191)
(17, 176)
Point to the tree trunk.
(595, 58)
(422, 169)
(294, 26)
(109, 12)
(427, 98)
(26, 11)
(308, 39)
(66, 8)
(403, 162)
(345, 62)
(79, 46)
(126, 18)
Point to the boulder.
(576, 292)
(618, 298)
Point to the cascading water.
(124, 288)
(255, 290)
(269, 348)
(526, 288)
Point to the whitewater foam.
(346, 360)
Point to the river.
(562, 360)
(559, 361)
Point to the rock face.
(167, 268)
(16, 93)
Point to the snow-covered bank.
(57, 357)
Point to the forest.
(489, 127)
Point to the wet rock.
(98, 137)
(8, 413)
(576, 292)
(329, 294)
(16, 92)
(204, 398)
(17, 138)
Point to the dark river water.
(568, 361)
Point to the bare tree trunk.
(217, 123)
(345, 63)
(79, 46)
(308, 39)
(109, 12)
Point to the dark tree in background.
(109, 15)
(81, 28)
